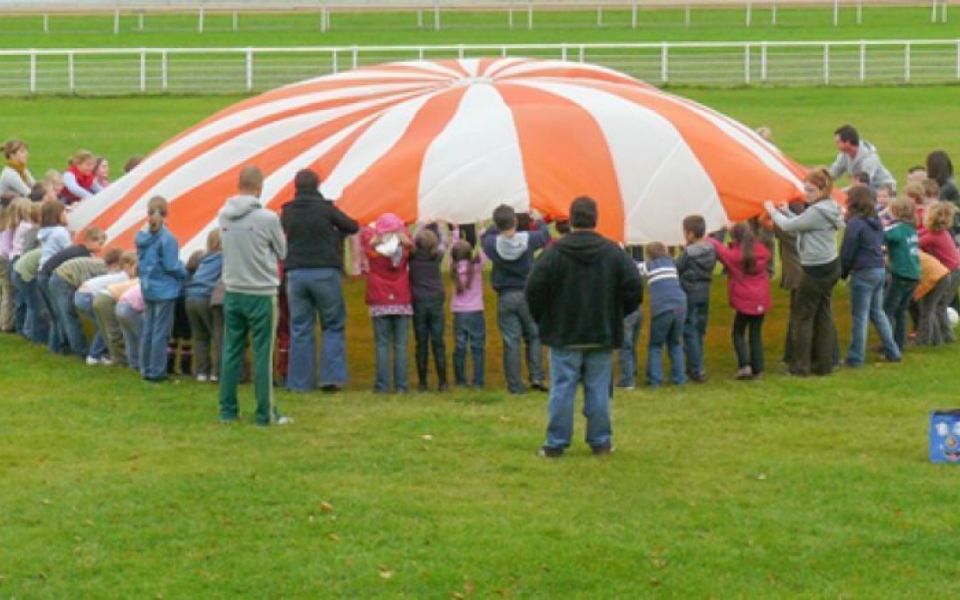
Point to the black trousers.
(753, 355)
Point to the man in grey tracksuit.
(253, 246)
(858, 156)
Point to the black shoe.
(699, 378)
(330, 388)
(548, 452)
(602, 450)
(421, 387)
(540, 386)
(442, 387)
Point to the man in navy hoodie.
(511, 253)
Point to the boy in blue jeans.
(695, 269)
(668, 312)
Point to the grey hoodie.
(253, 245)
(817, 231)
(866, 161)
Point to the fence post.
(140, 21)
(436, 15)
(634, 14)
(530, 14)
(599, 15)
(235, 21)
(836, 12)
(419, 18)
(249, 69)
(583, 52)
(664, 57)
(943, 11)
(356, 57)
(503, 51)
(510, 16)
(563, 52)
(335, 60)
(746, 64)
(686, 15)
(773, 13)
(116, 21)
(164, 84)
(143, 70)
(749, 12)
(958, 59)
(460, 51)
(33, 72)
(906, 63)
(859, 12)
(71, 74)
(863, 61)
(46, 23)
(826, 64)
(763, 62)
(933, 11)
(420, 52)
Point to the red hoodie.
(387, 285)
(749, 292)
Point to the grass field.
(471, 27)
(781, 487)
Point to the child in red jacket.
(387, 245)
(749, 291)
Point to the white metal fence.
(245, 70)
(430, 14)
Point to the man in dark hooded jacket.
(578, 292)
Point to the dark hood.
(583, 246)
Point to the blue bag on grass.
(945, 436)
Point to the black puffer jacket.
(315, 228)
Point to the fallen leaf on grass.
(326, 506)
(427, 437)
(385, 572)
(333, 537)
(45, 502)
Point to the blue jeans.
(157, 326)
(895, 304)
(19, 300)
(469, 329)
(568, 368)
(83, 301)
(391, 333)
(309, 292)
(666, 328)
(515, 322)
(628, 352)
(34, 326)
(131, 325)
(866, 303)
(61, 296)
(56, 340)
(694, 329)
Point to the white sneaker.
(214, 379)
(202, 378)
(91, 361)
(285, 421)
(105, 361)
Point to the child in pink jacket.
(749, 292)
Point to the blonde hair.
(939, 216)
(36, 212)
(213, 240)
(53, 177)
(81, 156)
(903, 209)
(914, 191)
(931, 188)
(128, 259)
(19, 212)
(94, 234)
(655, 250)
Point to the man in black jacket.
(578, 293)
(315, 230)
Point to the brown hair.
(128, 259)
(655, 250)
(113, 257)
(51, 212)
(742, 235)
(820, 178)
(939, 216)
(939, 166)
(695, 225)
(931, 189)
(213, 240)
(427, 241)
(251, 179)
(459, 252)
(903, 209)
(11, 147)
(132, 163)
(859, 203)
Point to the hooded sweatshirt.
(695, 267)
(158, 261)
(512, 257)
(52, 240)
(866, 161)
(207, 276)
(579, 291)
(862, 246)
(903, 248)
(816, 230)
(253, 245)
(314, 228)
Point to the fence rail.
(126, 71)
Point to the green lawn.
(466, 27)
(782, 487)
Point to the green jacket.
(903, 250)
(28, 264)
(77, 270)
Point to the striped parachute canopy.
(452, 140)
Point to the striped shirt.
(665, 291)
